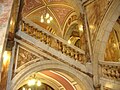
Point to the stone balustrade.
(53, 41)
(110, 70)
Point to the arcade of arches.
(59, 44)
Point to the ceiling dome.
(60, 10)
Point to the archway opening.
(112, 52)
(49, 80)
(55, 74)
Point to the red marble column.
(5, 10)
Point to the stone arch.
(69, 31)
(105, 29)
(84, 81)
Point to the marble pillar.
(5, 10)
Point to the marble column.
(5, 10)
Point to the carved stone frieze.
(110, 71)
(53, 42)
(25, 56)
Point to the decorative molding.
(110, 70)
(24, 57)
(84, 80)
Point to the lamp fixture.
(81, 28)
(29, 89)
(45, 17)
(33, 82)
(26, 88)
(6, 57)
(69, 41)
(23, 88)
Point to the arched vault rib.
(82, 79)
(102, 37)
(105, 29)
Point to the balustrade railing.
(53, 41)
(110, 70)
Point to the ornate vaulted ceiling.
(60, 10)
(96, 11)
(65, 14)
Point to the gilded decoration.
(112, 48)
(53, 41)
(56, 1)
(31, 5)
(24, 56)
(70, 21)
(110, 70)
(95, 13)
(60, 10)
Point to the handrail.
(52, 35)
(109, 63)
(53, 41)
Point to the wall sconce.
(81, 28)
(33, 82)
(69, 41)
(6, 57)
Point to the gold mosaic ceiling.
(60, 10)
